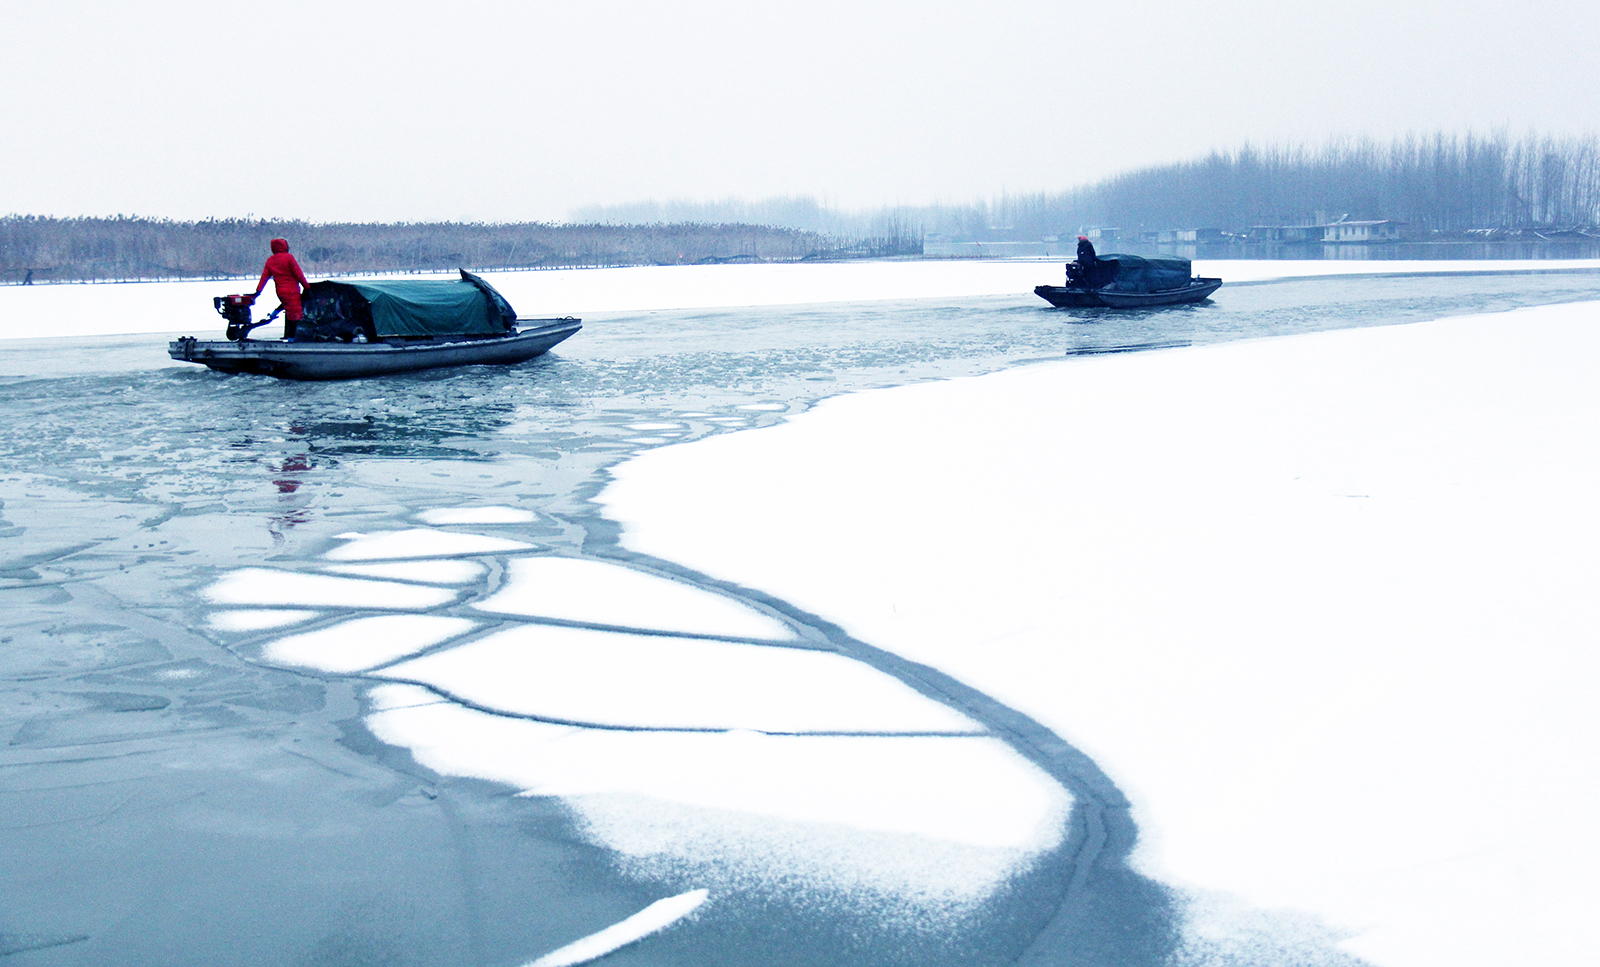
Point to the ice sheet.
(477, 515)
(652, 919)
(265, 586)
(361, 643)
(428, 572)
(251, 620)
(974, 791)
(421, 542)
(573, 589)
(577, 675)
(1321, 605)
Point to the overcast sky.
(505, 111)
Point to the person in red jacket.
(287, 278)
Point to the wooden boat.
(1128, 282)
(369, 328)
(1075, 297)
(336, 360)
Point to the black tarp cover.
(401, 308)
(1136, 273)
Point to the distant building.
(1098, 234)
(1188, 235)
(1343, 230)
(1381, 230)
(1286, 233)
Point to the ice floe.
(421, 542)
(969, 790)
(257, 620)
(652, 919)
(608, 678)
(427, 572)
(1320, 605)
(477, 515)
(361, 643)
(266, 586)
(596, 592)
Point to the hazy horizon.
(507, 112)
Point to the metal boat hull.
(311, 361)
(1074, 297)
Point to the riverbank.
(1321, 606)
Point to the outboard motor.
(236, 310)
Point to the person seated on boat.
(287, 279)
(1079, 273)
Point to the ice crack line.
(516, 651)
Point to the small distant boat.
(1128, 282)
(356, 329)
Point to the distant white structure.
(1322, 230)
(1380, 230)
(1190, 235)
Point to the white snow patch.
(578, 675)
(652, 919)
(574, 589)
(971, 790)
(265, 586)
(909, 881)
(477, 515)
(421, 542)
(1322, 605)
(427, 572)
(642, 427)
(352, 646)
(252, 620)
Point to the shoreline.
(148, 308)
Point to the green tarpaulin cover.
(417, 308)
(392, 308)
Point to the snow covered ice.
(1321, 605)
(1231, 651)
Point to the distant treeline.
(1434, 183)
(72, 249)
(1438, 183)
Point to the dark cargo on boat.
(1128, 281)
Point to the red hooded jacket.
(284, 272)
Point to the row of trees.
(62, 249)
(1439, 183)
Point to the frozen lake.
(204, 768)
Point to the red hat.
(1083, 238)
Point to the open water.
(165, 801)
